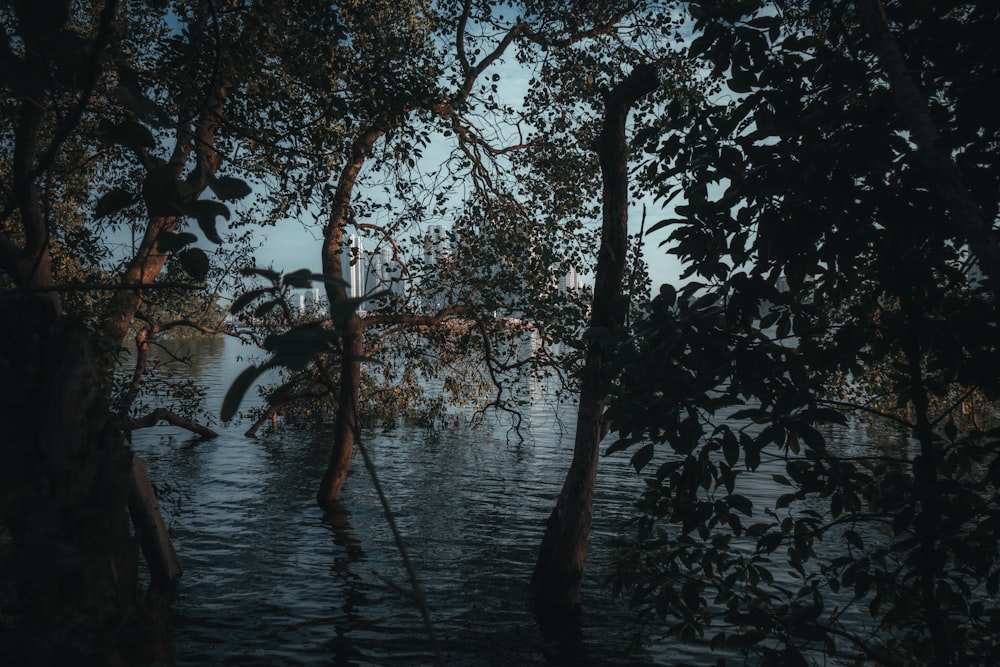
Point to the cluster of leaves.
(298, 344)
(767, 527)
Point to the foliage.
(767, 527)
(443, 144)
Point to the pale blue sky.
(293, 244)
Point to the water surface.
(268, 580)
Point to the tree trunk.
(351, 334)
(555, 583)
(944, 176)
(346, 422)
(65, 471)
(928, 523)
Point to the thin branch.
(101, 287)
(163, 415)
(416, 592)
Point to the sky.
(295, 244)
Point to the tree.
(556, 579)
(79, 116)
(425, 83)
(816, 173)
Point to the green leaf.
(228, 188)
(129, 133)
(113, 201)
(195, 263)
(174, 241)
(233, 398)
(642, 457)
(244, 300)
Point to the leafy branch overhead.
(298, 346)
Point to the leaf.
(330, 280)
(642, 457)
(244, 300)
(135, 101)
(299, 345)
(233, 398)
(951, 430)
(854, 539)
(129, 133)
(730, 448)
(301, 278)
(205, 211)
(195, 263)
(618, 445)
(164, 194)
(113, 201)
(174, 241)
(270, 274)
(228, 188)
(341, 310)
(266, 307)
(741, 504)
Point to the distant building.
(368, 271)
(436, 244)
(352, 266)
(569, 282)
(311, 302)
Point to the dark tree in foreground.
(857, 164)
(555, 583)
(77, 122)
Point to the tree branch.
(945, 177)
(163, 415)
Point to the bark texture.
(555, 583)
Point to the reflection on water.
(268, 579)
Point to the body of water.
(269, 580)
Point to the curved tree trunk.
(351, 334)
(555, 583)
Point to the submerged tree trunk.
(351, 334)
(555, 583)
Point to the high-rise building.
(309, 301)
(368, 271)
(569, 282)
(353, 266)
(436, 244)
